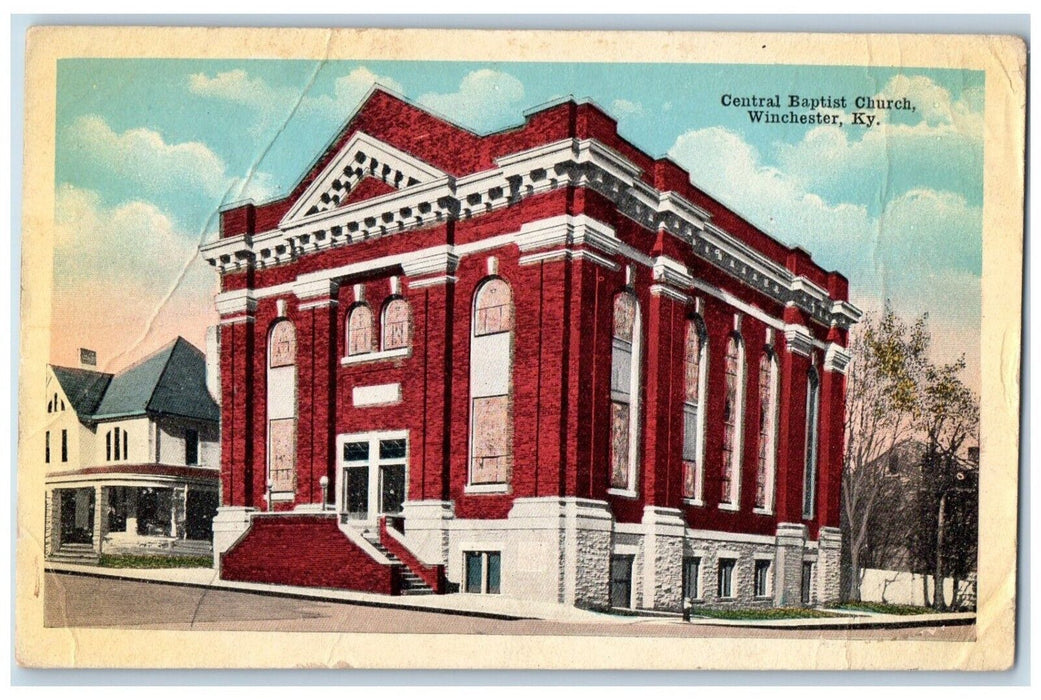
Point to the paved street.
(88, 601)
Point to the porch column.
(178, 505)
(131, 525)
(100, 517)
(52, 534)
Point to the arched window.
(493, 308)
(359, 330)
(491, 384)
(730, 467)
(809, 490)
(695, 354)
(281, 407)
(397, 324)
(625, 390)
(768, 395)
(116, 445)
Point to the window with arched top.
(625, 390)
(695, 355)
(397, 324)
(809, 490)
(733, 401)
(116, 447)
(493, 308)
(767, 457)
(491, 384)
(359, 330)
(281, 407)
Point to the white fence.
(905, 588)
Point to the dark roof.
(170, 382)
(83, 387)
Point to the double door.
(373, 475)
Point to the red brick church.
(537, 363)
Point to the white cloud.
(235, 86)
(259, 186)
(622, 108)
(901, 152)
(936, 105)
(144, 157)
(936, 229)
(272, 106)
(126, 280)
(727, 167)
(485, 99)
(348, 92)
(922, 251)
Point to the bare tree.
(882, 406)
(948, 484)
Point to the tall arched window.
(809, 490)
(625, 390)
(733, 401)
(116, 447)
(359, 330)
(397, 324)
(281, 407)
(768, 391)
(694, 358)
(491, 384)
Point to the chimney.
(88, 358)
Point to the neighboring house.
(537, 363)
(131, 459)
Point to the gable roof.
(172, 381)
(83, 388)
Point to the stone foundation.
(559, 550)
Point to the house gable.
(363, 169)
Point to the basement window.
(483, 571)
(725, 576)
(762, 578)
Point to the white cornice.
(315, 289)
(836, 358)
(798, 339)
(672, 272)
(442, 261)
(237, 301)
(573, 162)
(665, 291)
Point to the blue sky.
(150, 149)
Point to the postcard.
(501, 349)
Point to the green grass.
(141, 561)
(885, 608)
(758, 613)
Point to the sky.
(149, 150)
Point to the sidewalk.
(494, 607)
(497, 607)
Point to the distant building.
(900, 547)
(131, 459)
(538, 363)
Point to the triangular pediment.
(364, 168)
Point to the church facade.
(537, 363)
